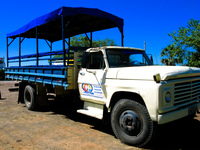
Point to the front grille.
(186, 92)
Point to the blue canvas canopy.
(60, 24)
(76, 21)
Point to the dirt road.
(59, 127)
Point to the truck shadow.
(182, 134)
(69, 109)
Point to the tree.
(84, 42)
(172, 55)
(79, 41)
(187, 41)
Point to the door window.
(96, 61)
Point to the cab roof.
(116, 47)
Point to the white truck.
(122, 81)
(119, 83)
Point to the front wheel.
(131, 123)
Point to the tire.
(131, 123)
(30, 98)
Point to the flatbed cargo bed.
(48, 74)
(41, 74)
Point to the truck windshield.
(127, 58)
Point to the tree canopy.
(185, 46)
(84, 42)
(172, 55)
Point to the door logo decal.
(91, 90)
(87, 88)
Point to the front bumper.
(178, 114)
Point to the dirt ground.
(59, 127)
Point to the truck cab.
(123, 82)
(100, 66)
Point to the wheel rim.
(130, 123)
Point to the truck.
(112, 83)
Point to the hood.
(147, 72)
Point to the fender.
(145, 92)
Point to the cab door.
(91, 78)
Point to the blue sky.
(144, 20)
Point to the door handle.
(82, 73)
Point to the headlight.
(168, 97)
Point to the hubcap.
(130, 122)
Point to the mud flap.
(21, 92)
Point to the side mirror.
(84, 59)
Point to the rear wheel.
(131, 123)
(30, 98)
